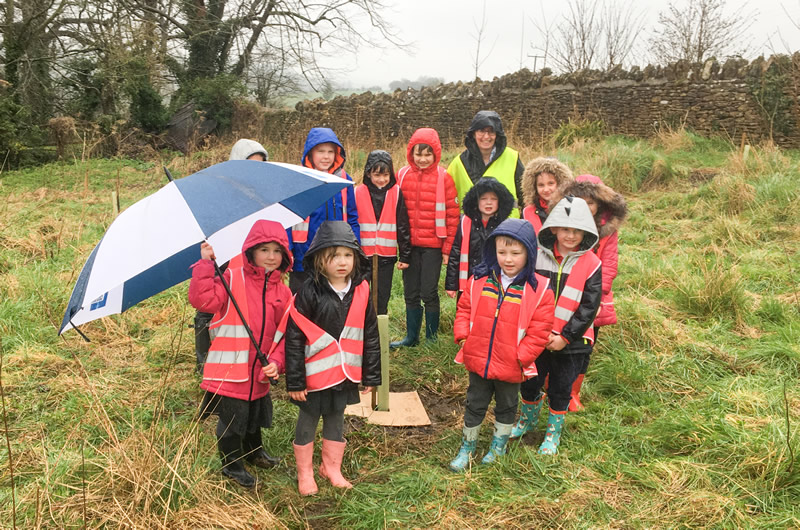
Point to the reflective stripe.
(228, 357)
(368, 227)
(572, 293)
(332, 361)
(318, 345)
(440, 207)
(563, 314)
(463, 275)
(352, 333)
(231, 331)
(521, 334)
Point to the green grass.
(685, 424)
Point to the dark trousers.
(585, 365)
(385, 274)
(563, 369)
(421, 278)
(479, 395)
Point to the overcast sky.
(442, 43)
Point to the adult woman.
(487, 155)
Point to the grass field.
(692, 401)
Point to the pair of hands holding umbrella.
(270, 371)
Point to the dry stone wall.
(726, 99)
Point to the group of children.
(531, 293)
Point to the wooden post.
(86, 182)
(115, 203)
(383, 390)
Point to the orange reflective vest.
(378, 237)
(568, 300)
(441, 206)
(529, 214)
(330, 361)
(229, 353)
(463, 258)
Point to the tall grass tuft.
(711, 291)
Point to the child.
(430, 197)
(323, 152)
(237, 387)
(383, 218)
(565, 257)
(609, 210)
(503, 322)
(243, 149)
(541, 180)
(332, 344)
(486, 205)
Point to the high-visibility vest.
(229, 353)
(378, 237)
(502, 168)
(300, 230)
(441, 205)
(529, 214)
(330, 361)
(568, 300)
(463, 258)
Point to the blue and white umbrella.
(151, 245)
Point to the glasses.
(486, 132)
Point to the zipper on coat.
(260, 339)
(500, 296)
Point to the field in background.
(693, 402)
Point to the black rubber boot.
(202, 339)
(230, 452)
(255, 453)
(413, 326)
(431, 325)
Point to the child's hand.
(299, 395)
(270, 371)
(556, 342)
(445, 259)
(368, 389)
(401, 266)
(451, 294)
(206, 251)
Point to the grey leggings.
(332, 427)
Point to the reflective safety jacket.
(502, 168)
(530, 215)
(378, 237)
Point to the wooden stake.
(383, 390)
(115, 203)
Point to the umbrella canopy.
(151, 245)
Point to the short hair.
(508, 240)
(380, 167)
(323, 256)
(420, 148)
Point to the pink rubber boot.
(331, 467)
(304, 455)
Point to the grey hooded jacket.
(245, 148)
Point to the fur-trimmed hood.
(486, 184)
(543, 164)
(612, 209)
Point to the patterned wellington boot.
(499, 442)
(469, 442)
(552, 437)
(528, 417)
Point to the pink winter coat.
(267, 299)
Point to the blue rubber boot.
(431, 325)
(469, 441)
(499, 442)
(528, 417)
(552, 437)
(413, 326)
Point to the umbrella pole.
(375, 305)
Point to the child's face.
(340, 264)
(258, 157)
(511, 256)
(423, 159)
(545, 185)
(268, 256)
(379, 179)
(591, 204)
(569, 239)
(488, 203)
(323, 156)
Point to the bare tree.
(622, 26)
(577, 38)
(698, 30)
(479, 35)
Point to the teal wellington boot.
(499, 442)
(552, 437)
(528, 417)
(413, 326)
(469, 442)
(431, 325)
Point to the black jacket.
(472, 158)
(319, 303)
(479, 233)
(378, 197)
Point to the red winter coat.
(267, 299)
(490, 350)
(419, 192)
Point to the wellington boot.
(469, 442)
(255, 452)
(304, 456)
(552, 436)
(413, 326)
(528, 417)
(230, 452)
(575, 397)
(499, 443)
(331, 467)
(431, 325)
